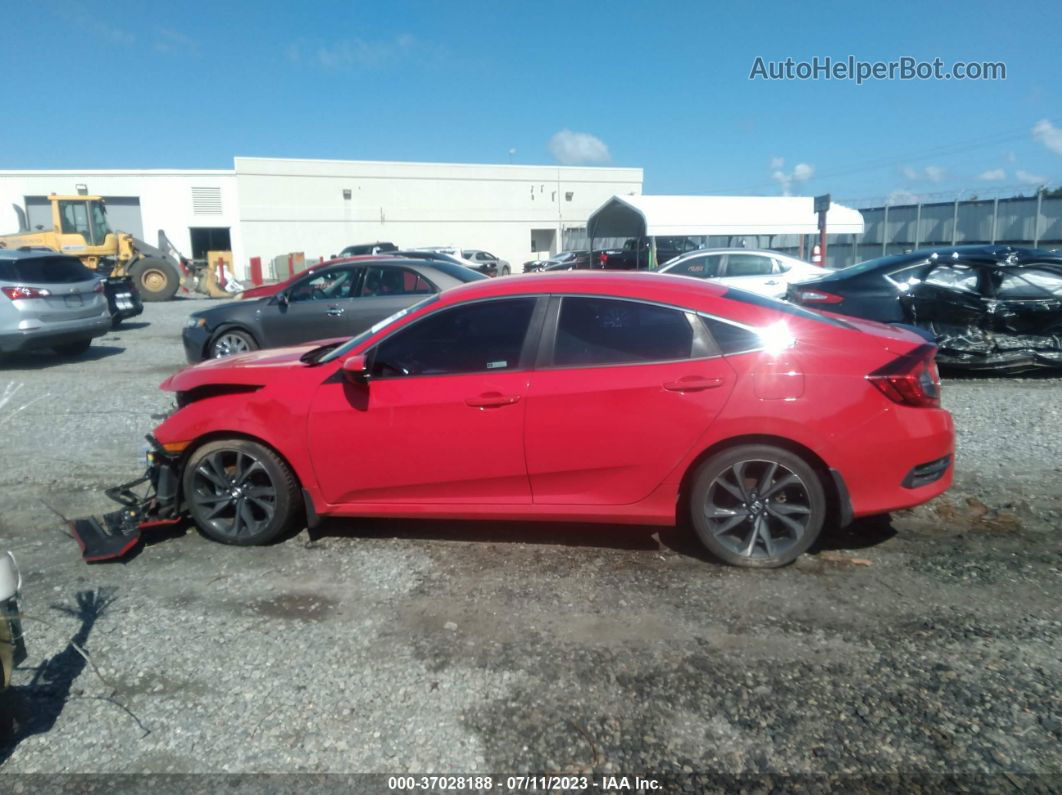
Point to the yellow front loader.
(80, 229)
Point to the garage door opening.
(209, 238)
(544, 241)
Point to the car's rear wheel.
(241, 492)
(757, 505)
(73, 348)
(231, 342)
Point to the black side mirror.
(281, 298)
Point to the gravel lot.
(927, 644)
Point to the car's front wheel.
(231, 342)
(757, 505)
(241, 492)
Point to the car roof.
(661, 287)
(733, 250)
(30, 253)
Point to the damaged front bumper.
(113, 535)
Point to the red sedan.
(636, 398)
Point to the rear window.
(782, 306)
(44, 270)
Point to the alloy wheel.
(230, 344)
(758, 508)
(233, 493)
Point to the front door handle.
(693, 383)
(336, 311)
(491, 400)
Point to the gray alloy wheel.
(758, 505)
(231, 342)
(240, 492)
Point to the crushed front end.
(113, 535)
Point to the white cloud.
(355, 53)
(574, 148)
(1049, 135)
(934, 173)
(363, 54)
(930, 173)
(801, 172)
(1027, 178)
(901, 196)
(169, 41)
(992, 175)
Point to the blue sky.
(664, 86)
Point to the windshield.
(355, 341)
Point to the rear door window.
(601, 331)
(748, 265)
(705, 266)
(953, 276)
(388, 281)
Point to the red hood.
(256, 368)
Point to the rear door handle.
(491, 400)
(336, 311)
(693, 383)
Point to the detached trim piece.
(844, 501)
(924, 474)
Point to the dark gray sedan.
(335, 301)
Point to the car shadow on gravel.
(679, 539)
(40, 360)
(34, 708)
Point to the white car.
(756, 270)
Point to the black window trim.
(703, 345)
(525, 364)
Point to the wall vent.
(206, 201)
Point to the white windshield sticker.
(496, 365)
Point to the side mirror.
(281, 298)
(355, 369)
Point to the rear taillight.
(806, 295)
(21, 293)
(912, 379)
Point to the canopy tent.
(665, 216)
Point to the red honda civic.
(617, 398)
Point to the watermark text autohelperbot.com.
(851, 68)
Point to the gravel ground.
(926, 645)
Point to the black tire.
(241, 492)
(504, 271)
(73, 348)
(154, 279)
(229, 342)
(765, 518)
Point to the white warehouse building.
(267, 207)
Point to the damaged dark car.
(991, 309)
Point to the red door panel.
(427, 439)
(610, 435)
